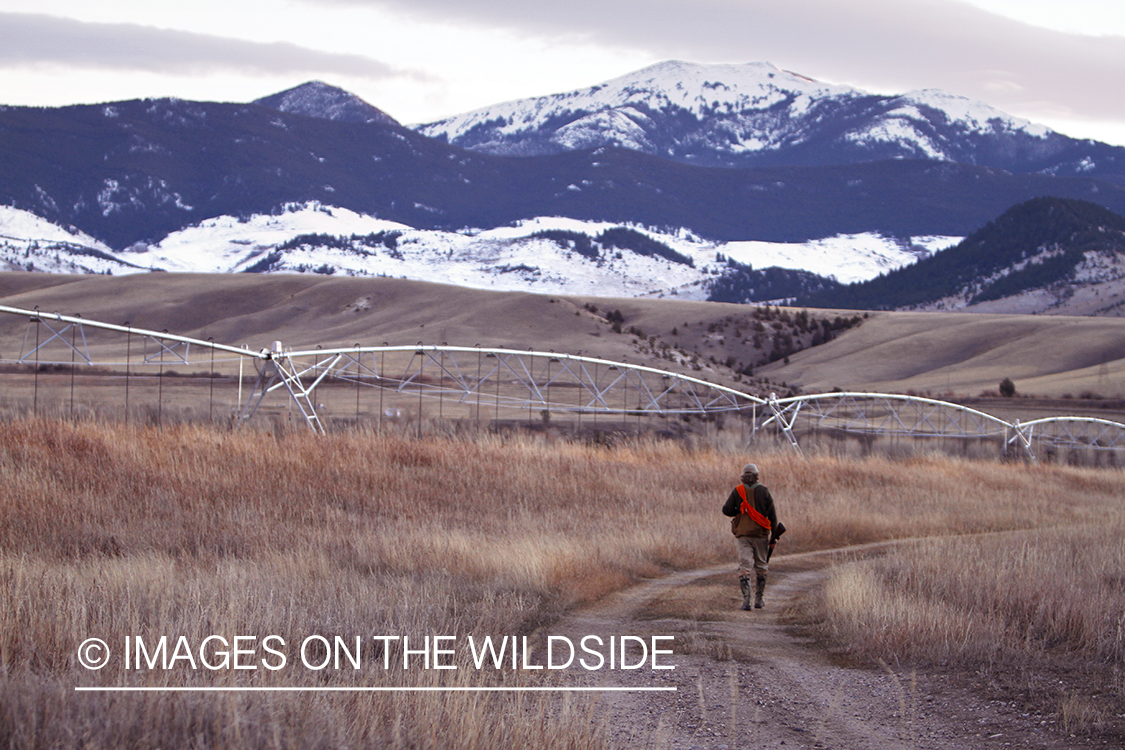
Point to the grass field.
(111, 531)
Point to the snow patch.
(896, 131)
(848, 257)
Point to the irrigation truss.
(446, 383)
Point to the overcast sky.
(1058, 63)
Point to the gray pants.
(752, 551)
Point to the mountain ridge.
(135, 171)
(1045, 245)
(756, 114)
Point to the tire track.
(747, 679)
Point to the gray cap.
(750, 469)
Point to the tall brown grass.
(109, 531)
(1040, 611)
(975, 600)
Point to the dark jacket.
(762, 500)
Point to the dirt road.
(745, 679)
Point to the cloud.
(29, 40)
(890, 45)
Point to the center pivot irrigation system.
(480, 383)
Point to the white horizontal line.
(371, 689)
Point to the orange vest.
(749, 509)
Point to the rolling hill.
(935, 352)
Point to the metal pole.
(128, 353)
(421, 368)
(479, 355)
(35, 392)
(240, 362)
(72, 351)
(597, 394)
(664, 404)
(160, 385)
(578, 391)
(640, 401)
(211, 397)
(624, 401)
(548, 408)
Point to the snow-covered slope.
(745, 115)
(549, 255)
(229, 244)
(846, 258)
(30, 243)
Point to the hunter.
(755, 528)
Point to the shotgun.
(773, 539)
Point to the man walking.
(754, 525)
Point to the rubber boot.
(744, 584)
(758, 592)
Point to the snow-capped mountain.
(136, 171)
(318, 99)
(547, 255)
(732, 109)
(756, 114)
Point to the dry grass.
(1040, 612)
(974, 600)
(114, 531)
(110, 531)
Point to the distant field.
(966, 354)
(938, 353)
